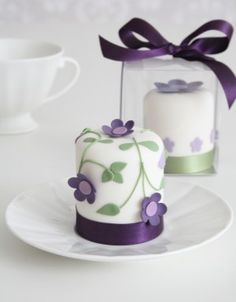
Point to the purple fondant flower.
(169, 144)
(196, 144)
(162, 161)
(152, 209)
(178, 85)
(118, 128)
(214, 135)
(84, 188)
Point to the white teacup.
(27, 71)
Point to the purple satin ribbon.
(116, 234)
(192, 48)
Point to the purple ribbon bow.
(191, 48)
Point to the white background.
(26, 274)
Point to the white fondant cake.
(123, 170)
(185, 121)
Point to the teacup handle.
(71, 83)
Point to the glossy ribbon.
(189, 164)
(116, 234)
(192, 48)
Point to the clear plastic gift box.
(177, 99)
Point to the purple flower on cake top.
(118, 128)
(84, 188)
(162, 161)
(178, 85)
(152, 209)
(169, 144)
(196, 145)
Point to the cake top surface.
(117, 132)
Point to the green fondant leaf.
(106, 141)
(118, 166)
(89, 140)
(118, 178)
(150, 145)
(109, 209)
(107, 175)
(126, 146)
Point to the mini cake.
(183, 114)
(119, 184)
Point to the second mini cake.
(119, 184)
(183, 114)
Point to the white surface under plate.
(44, 217)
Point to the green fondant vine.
(112, 209)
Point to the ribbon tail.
(226, 77)
(114, 52)
(118, 53)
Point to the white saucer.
(45, 216)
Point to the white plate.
(44, 218)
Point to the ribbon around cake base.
(116, 234)
(189, 164)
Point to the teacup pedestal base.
(18, 124)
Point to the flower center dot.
(85, 187)
(120, 130)
(151, 209)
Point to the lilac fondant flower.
(178, 85)
(169, 144)
(118, 128)
(196, 144)
(162, 161)
(214, 135)
(84, 188)
(152, 209)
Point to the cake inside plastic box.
(178, 100)
(183, 113)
